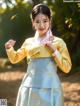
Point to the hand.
(49, 45)
(10, 44)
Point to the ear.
(32, 23)
(50, 24)
(33, 26)
(50, 21)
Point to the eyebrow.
(43, 19)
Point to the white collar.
(39, 40)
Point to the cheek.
(33, 24)
(47, 26)
(35, 27)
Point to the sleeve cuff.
(9, 49)
(57, 55)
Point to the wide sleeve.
(62, 57)
(16, 56)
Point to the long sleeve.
(16, 56)
(62, 58)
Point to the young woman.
(45, 52)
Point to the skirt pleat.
(39, 97)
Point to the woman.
(41, 85)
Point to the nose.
(42, 25)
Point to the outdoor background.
(15, 23)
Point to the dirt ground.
(10, 80)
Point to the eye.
(45, 21)
(37, 22)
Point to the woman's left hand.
(49, 45)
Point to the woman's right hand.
(10, 44)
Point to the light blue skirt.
(41, 87)
(39, 97)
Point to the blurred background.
(15, 23)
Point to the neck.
(42, 36)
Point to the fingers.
(11, 41)
(49, 45)
(10, 44)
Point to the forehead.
(41, 17)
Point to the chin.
(42, 33)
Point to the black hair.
(40, 8)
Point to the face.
(41, 23)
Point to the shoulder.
(28, 40)
(59, 40)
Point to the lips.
(41, 29)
